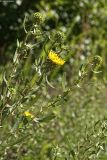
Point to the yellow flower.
(28, 114)
(54, 57)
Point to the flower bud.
(59, 36)
(37, 18)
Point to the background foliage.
(68, 103)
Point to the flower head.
(28, 114)
(54, 57)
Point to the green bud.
(37, 18)
(59, 36)
(96, 63)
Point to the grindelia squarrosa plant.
(32, 104)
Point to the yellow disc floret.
(54, 57)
